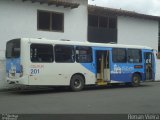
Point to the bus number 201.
(34, 71)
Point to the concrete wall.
(19, 19)
(3, 83)
(136, 31)
(157, 78)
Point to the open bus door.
(102, 67)
(149, 65)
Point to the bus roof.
(67, 42)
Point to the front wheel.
(136, 80)
(77, 83)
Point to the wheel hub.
(77, 83)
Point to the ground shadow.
(49, 90)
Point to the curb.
(41, 88)
(8, 90)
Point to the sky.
(150, 7)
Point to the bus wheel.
(136, 80)
(77, 83)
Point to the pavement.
(93, 100)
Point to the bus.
(44, 62)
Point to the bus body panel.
(124, 72)
(13, 68)
(45, 74)
(53, 73)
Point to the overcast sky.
(151, 7)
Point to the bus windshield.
(13, 48)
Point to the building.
(75, 20)
(125, 27)
(54, 19)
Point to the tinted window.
(93, 20)
(103, 22)
(41, 53)
(112, 23)
(134, 56)
(51, 21)
(119, 55)
(83, 54)
(57, 21)
(64, 53)
(13, 49)
(44, 20)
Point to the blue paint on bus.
(90, 67)
(122, 72)
(13, 65)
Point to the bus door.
(102, 67)
(149, 65)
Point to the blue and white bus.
(42, 62)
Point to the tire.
(136, 80)
(77, 83)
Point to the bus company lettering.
(118, 70)
(127, 69)
(35, 69)
(37, 66)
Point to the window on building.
(93, 20)
(50, 21)
(41, 53)
(43, 20)
(134, 56)
(119, 55)
(64, 54)
(103, 22)
(112, 23)
(83, 54)
(57, 21)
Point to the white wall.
(19, 19)
(157, 77)
(136, 31)
(3, 83)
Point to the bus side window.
(83, 54)
(119, 55)
(134, 56)
(41, 53)
(64, 54)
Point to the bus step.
(101, 82)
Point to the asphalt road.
(117, 99)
